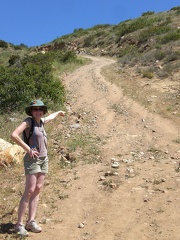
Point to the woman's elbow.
(13, 136)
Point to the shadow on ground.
(6, 228)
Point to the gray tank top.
(38, 140)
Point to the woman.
(35, 162)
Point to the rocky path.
(141, 199)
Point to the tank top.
(38, 139)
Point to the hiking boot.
(33, 226)
(20, 230)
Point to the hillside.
(84, 197)
(148, 45)
(121, 109)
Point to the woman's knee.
(28, 192)
(38, 187)
(40, 182)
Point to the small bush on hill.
(66, 57)
(89, 40)
(132, 26)
(32, 79)
(175, 8)
(3, 44)
(13, 59)
(147, 74)
(147, 13)
(172, 56)
(159, 55)
(100, 26)
(129, 50)
(78, 32)
(19, 85)
(153, 31)
(170, 36)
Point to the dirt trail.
(144, 203)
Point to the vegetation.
(31, 77)
(3, 44)
(30, 74)
(147, 13)
(147, 46)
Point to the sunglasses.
(37, 109)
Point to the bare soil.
(138, 200)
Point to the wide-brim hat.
(35, 103)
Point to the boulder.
(11, 155)
(4, 144)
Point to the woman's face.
(37, 112)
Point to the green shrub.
(22, 45)
(39, 59)
(153, 31)
(175, 8)
(101, 26)
(15, 89)
(129, 50)
(169, 67)
(134, 25)
(20, 85)
(159, 55)
(170, 36)
(147, 13)
(17, 47)
(89, 40)
(66, 57)
(13, 59)
(78, 32)
(173, 56)
(148, 74)
(33, 78)
(101, 33)
(3, 44)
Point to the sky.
(37, 22)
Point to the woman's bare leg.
(30, 186)
(34, 198)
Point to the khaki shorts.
(38, 165)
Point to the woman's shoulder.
(28, 119)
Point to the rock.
(4, 144)
(115, 174)
(145, 199)
(113, 185)
(81, 225)
(115, 165)
(127, 160)
(13, 119)
(108, 173)
(102, 178)
(75, 126)
(45, 220)
(11, 155)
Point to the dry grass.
(70, 147)
(157, 95)
(67, 148)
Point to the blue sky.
(35, 22)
